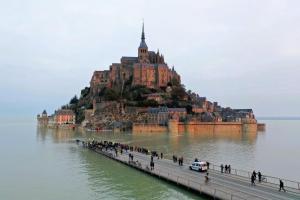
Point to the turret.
(44, 114)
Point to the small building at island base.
(63, 118)
(43, 119)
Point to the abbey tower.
(147, 69)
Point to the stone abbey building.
(147, 69)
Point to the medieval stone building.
(147, 69)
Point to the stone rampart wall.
(146, 128)
(216, 127)
(196, 127)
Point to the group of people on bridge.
(180, 160)
(226, 167)
(253, 177)
(261, 178)
(115, 147)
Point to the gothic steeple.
(143, 49)
(143, 43)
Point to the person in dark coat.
(152, 165)
(281, 185)
(222, 168)
(252, 180)
(254, 174)
(259, 176)
(180, 161)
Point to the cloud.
(239, 53)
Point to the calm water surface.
(47, 164)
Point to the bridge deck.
(220, 185)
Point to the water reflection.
(112, 180)
(57, 135)
(247, 151)
(215, 147)
(108, 179)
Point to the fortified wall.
(147, 128)
(174, 127)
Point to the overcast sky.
(243, 54)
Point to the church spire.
(143, 33)
(143, 43)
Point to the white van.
(199, 166)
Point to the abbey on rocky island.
(147, 69)
(144, 94)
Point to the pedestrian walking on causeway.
(174, 158)
(252, 180)
(254, 174)
(229, 169)
(226, 168)
(207, 163)
(151, 165)
(180, 161)
(161, 155)
(222, 168)
(130, 157)
(281, 186)
(206, 178)
(259, 176)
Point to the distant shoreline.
(278, 118)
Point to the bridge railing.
(203, 187)
(248, 174)
(265, 178)
(210, 188)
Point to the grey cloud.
(239, 53)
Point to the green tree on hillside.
(111, 94)
(84, 92)
(178, 93)
(74, 100)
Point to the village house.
(43, 119)
(64, 116)
(161, 115)
(154, 96)
(158, 115)
(197, 109)
(177, 113)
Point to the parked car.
(199, 166)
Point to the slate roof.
(65, 112)
(243, 110)
(143, 45)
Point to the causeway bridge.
(233, 186)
